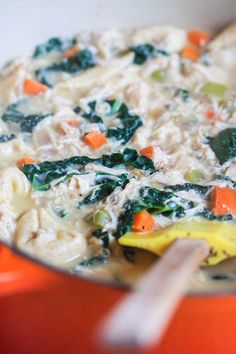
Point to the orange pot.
(46, 311)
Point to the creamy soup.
(106, 133)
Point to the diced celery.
(194, 176)
(98, 219)
(115, 107)
(159, 75)
(214, 89)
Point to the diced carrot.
(198, 38)
(148, 152)
(223, 201)
(26, 160)
(94, 139)
(143, 221)
(190, 53)
(70, 53)
(33, 88)
(210, 114)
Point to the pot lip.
(108, 283)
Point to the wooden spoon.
(141, 318)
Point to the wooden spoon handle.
(142, 317)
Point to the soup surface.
(106, 133)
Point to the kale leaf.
(55, 44)
(154, 201)
(82, 61)
(6, 137)
(26, 122)
(125, 220)
(43, 77)
(143, 52)
(12, 115)
(91, 115)
(29, 122)
(133, 159)
(208, 214)
(103, 236)
(129, 158)
(41, 175)
(203, 191)
(106, 183)
(224, 145)
(184, 94)
(130, 123)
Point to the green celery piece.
(159, 75)
(214, 89)
(116, 105)
(99, 219)
(194, 176)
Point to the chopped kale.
(12, 115)
(155, 202)
(203, 191)
(224, 145)
(208, 214)
(103, 236)
(161, 202)
(6, 137)
(26, 122)
(129, 158)
(41, 175)
(184, 94)
(133, 159)
(130, 123)
(143, 52)
(42, 77)
(53, 45)
(106, 184)
(82, 61)
(125, 220)
(77, 109)
(91, 115)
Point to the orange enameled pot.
(46, 311)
